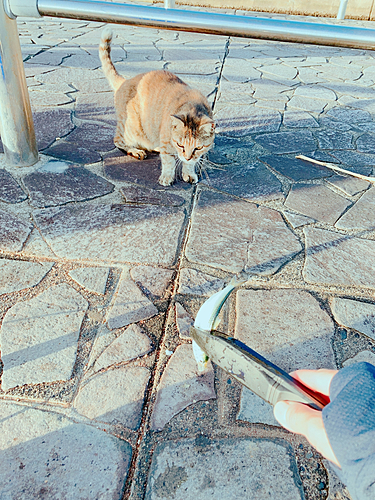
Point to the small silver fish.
(207, 318)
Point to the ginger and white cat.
(157, 111)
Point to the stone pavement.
(103, 270)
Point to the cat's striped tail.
(109, 70)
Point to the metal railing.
(16, 126)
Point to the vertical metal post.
(342, 9)
(16, 122)
(169, 4)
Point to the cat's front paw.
(192, 178)
(166, 180)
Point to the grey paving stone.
(193, 469)
(357, 162)
(120, 167)
(307, 104)
(183, 321)
(239, 70)
(297, 220)
(254, 410)
(327, 121)
(47, 352)
(287, 142)
(235, 93)
(107, 233)
(239, 121)
(49, 188)
(361, 215)
(131, 344)
(181, 386)
(50, 57)
(295, 169)
(153, 280)
(354, 314)
(269, 321)
(258, 242)
(366, 143)
(41, 451)
(142, 195)
(279, 71)
(349, 185)
(18, 274)
(97, 106)
(195, 282)
(338, 259)
(51, 124)
(349, 115)
(366, 356)
(252, 181)
(10, 190)
(299, 119)
(366, 126)
(91, 278)
(315, 92)
(84, 144)
(334, 140)
(13, 232)
(46, 100)
(268, 89)
(114, 396)
(316, 201)
(130, 305)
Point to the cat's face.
(192, 137)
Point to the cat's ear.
(177, 121)
(207, 126)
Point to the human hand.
(302, 419)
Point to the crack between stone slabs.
(216, 91)
(148, 404)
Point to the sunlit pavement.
(103, 270)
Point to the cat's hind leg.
(168, 169)
(120, 142)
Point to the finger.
(304, 420)
(318, 380)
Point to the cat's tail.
(109, 70)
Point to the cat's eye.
(197, 148)
(180, 146)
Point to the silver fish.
(207, 318)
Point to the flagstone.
(41, 452)
(361, 215)
(153, 280)
(299, 119)
(130, 305)
(315, 92)
(239, 121)
(307, 104)
(39, 337)
(193, 282)
(183, 321)
(287, 142)
(49, 188)
(93, 279)
(14, 231)
(349, 115)
(180, 386)
(333, 139)
(317, 201)
(19, 274)
(258, 242)
(296, 169)
(363, 356)
(354, 314)
(112, 233)
(114, 396)
(223, 468)
(348, 185)
(131, 344)
(10, 190)
(51, 124)
(338, 259)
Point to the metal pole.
(204, 22)
(169, 4)
(16, 122)
(342, 9)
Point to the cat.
(156, 111)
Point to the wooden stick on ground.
(337, 169)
